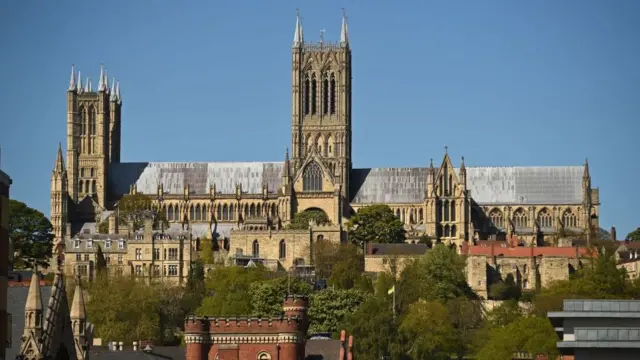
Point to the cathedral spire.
(34, 298)
(72, 81)
(78, 311)
(344, 30)
(101, 84)
(79, 82)
(586, 169)
(59, 166)
(298, 39)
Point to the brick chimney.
(113, 223)
(148, 228)
(613, 234)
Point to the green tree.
(123, 309)
(227, 289)
(534, 335)
(634, 235)
(329, 307)
(101, 262)
(373, 328)
(429, 330)
(437, 275)
(376, 224)
(103, 227)
(505, 290)
(466, 317)
(267, 296)
(133, 209)
(301, 220)
(30, 233)
(206, 251)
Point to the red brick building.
(282, 338)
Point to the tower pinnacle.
(59, 166)
(114, 97)
(298, 39)
(344, 30)
(72, 81)
(101, 82)
(118, 92)
(79, 82)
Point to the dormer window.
(89, 243)
(76, 244)
(107, 244)
(120, 244)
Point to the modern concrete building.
(598, 329)
(5, 318)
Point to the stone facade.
(5, 249)
(391, 258)
(145, 254)
(248, 201)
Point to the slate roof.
(16, 301)
(488, 185)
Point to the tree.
(377, 224)
(301, 220)
(101, 262)
(466, 317)
(103, 227)
(373, 327)
(634, 235)
(329, 307)
(533, 335)
(505, 290)
(227, 289)
(267, 296)
(437, 275)
(133, 209)
(206, 251)
(429, 330)
(123, 309)
(31, 234)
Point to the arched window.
(231, 212)
(453, 231)
(246, 211)
(320, 238)
(450, 188)
(447, 231)
(82, 118)
(225, 212)
(314, 94)
(520, 218)
(544, 219)
(198, 214)
(569, 219)
(496, 218)
(219, 212)
(170, 213)
(94, 189)
(332, 96)
(306, 94)
(312, 178)
(81, 186)
(446, 211)
(255, 249)
(325, 95)
(86, 186)
(264, 356)
(252, 210)
(282, 249)
(92, 120)
(453, 211)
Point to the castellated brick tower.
(250, 338)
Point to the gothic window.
(453, 231)
(225, 212)
(496, 218)
(569, 219)
(94, 189)
(446, 183)
(450, 188)
(258, 210)
(252, 210)
(231, 212)
(82, 120)
(446, 211)
(92, 172)
(246, 211)
(453, 211)
(282, 249)
(320, 238)
(255, 249)
(81, 186)
(520, 218)
(273, 210)
(420, 215)
(192, 213)
(170, 213)
(325, 95)
(314, 94)
(332, 96)
(219, 213)
(312, 178)
(198, 213)
(306, 94)
(92, 120)
(544, 219)
(446, 231)
(86, 187)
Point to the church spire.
(72, 81)
(78, 311)
(59, 166)
(344, 30)
(34, 298)
(298, 39)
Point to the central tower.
(321, 106)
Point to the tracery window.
(453, 211)
(255, 249)
(570, 219)
(325, 95)
(544, 219)
(192, 214)
(307, 89)
(446, 211)
(496, 218)
(314, 94)
(198, 213)
(312, 178)
(520, 218)
(282, 253)
(332, 96)
(231, 212)
(453, 231)
(446, 231)
(225, 212)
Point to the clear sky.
(502, 83)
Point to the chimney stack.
(113, 223)
(613, 234)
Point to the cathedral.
(250, 204)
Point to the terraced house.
(250, 203)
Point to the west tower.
(321, 106)
(93, 140)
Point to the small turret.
(463, 175)
(101, 83)
(33, 308)
(79, 83)
(298, 38)
(72, 80)
(344, 30)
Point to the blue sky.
(502, 83)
